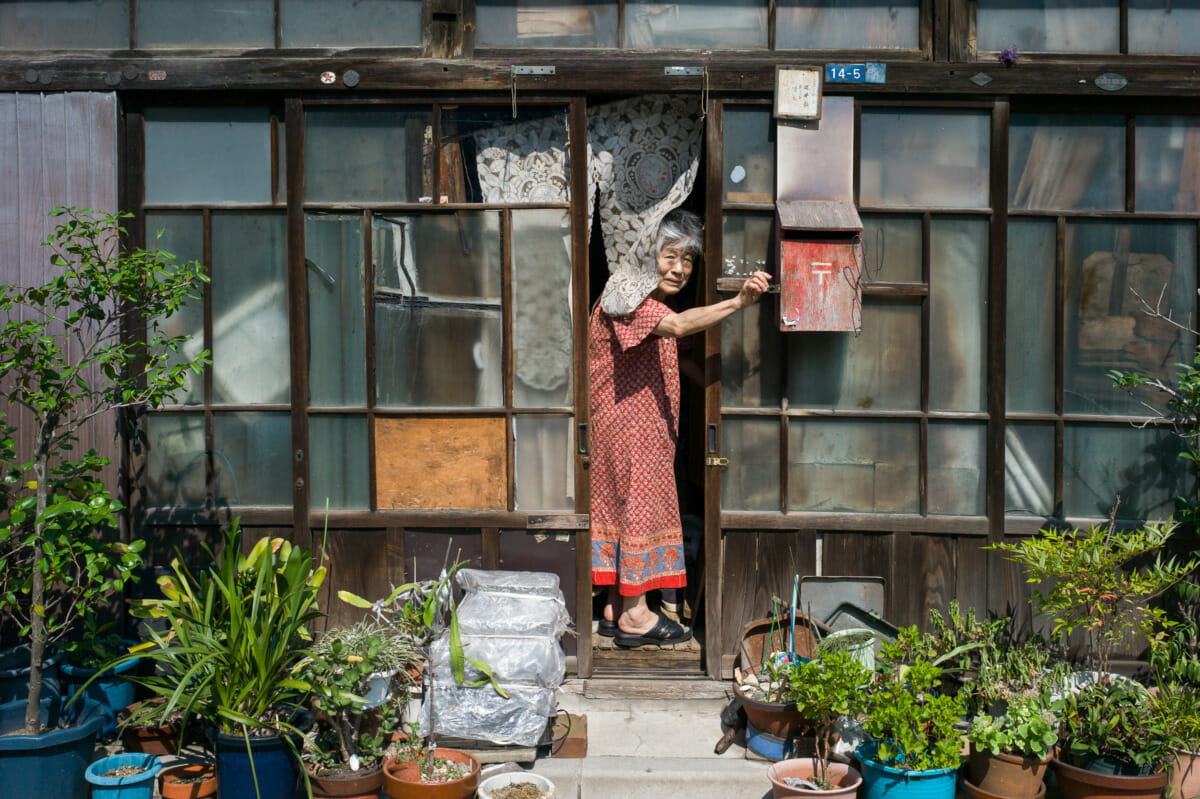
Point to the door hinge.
(715, 460)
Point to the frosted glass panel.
(1060, 26)
(1142, 467)
(365, 155)
(1029, 469)
(546, 23)
(751, 481)
(847, 24)
(175, 461)
(892, 249)
(337, 348)
(64, 24)
(879, 369)
(1109, 266)
(545, 458)
(233, 145)
(1164, 26)
(1029, 338)
(852, 465)
(751, 357)
(444, 357)
(182, 236)
(956, 474)
(924, 158)
(212, 23)
(250, 308)
(338, 466)
(1168, 163)
(747, 239)
(749, 155)
(541, 287)
(958, 314)
(252, 462)
(1066, 162)
(717, 24)
(350, 23)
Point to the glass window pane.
(892, 248)
(1164, 26)
(490, 156)
(924, 158)
(443, 357)
(438, 257)
(751, 481)
(847, 24)
(1168, 163)
(1029, 469)
(338, 465)
(1090, 26)
(182, 235)
(956, 474)
(64, 24)
(958, 314)
(1069, 162)
(879, 369)
(175, 461)
(350, 23)
(251, 343)
(545, 23)
(337, 343)
(717, 24)
(252, 462)
(1030, 336)
(853, 465)
(1109, 266)
(545, 461)
(233, 145)
(1141, 467)
(541, 291)
(213, 23)
(751, 356)
(746, 239)
(366, 155)
(749, 155)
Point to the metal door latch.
(715, 460)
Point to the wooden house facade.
(399, 206)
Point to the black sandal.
(664, 631)
(606, 628)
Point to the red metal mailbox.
(820, 257)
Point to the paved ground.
(652, 748)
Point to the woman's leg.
(612, 604)
(636, 616)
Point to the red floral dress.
(637, 540)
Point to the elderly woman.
(637, 539)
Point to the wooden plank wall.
(55, 150)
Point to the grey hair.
(680, 228)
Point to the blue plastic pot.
(135, 786)
(886, 782)
(52, 764)
(14, 674)
(111, 689)
(270, 758)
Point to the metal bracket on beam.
(532, 70)
(677, 71)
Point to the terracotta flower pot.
(402, 779)
(156, 740)
(1078, 783)
(170, 787)
(364, 784)
(1185, 775)
(1007, 775)
(843, 776)
(972, 792)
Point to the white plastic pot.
(498, 781)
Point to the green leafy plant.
(85, 343)
(912, 724)
(1114, 719)
(825, 690)
(1029, 728)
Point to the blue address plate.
(870, 72)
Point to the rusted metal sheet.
(819, 285)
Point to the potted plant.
(1010, 752)
(418, 771)
(359, 678)
(124, 776)
(188, 781)
(915, 747)
(1178, 707)
(824, 691)
(85, 659)
(83, 344)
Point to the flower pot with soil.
(188, 781)
(447, 774)
(345, 783)
(795, 776)
(125, 776)
(1010, 753)
(516, 785)
(1082, 783)
(145, 727)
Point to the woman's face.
(674, 269)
